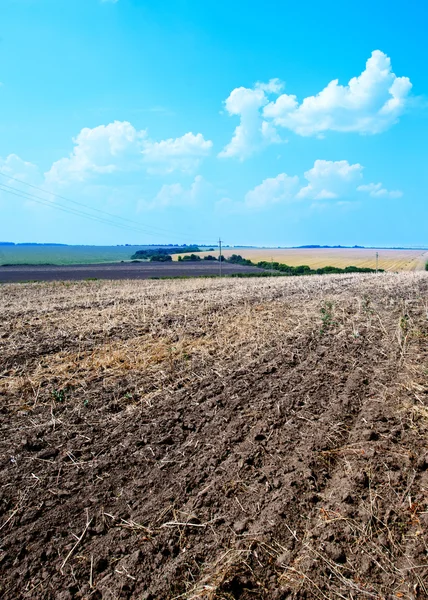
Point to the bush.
(210, 257)
(305, 270)
(191, 257)
(161, 258)
(147, 254)
(237, 259)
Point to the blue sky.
(271, 123)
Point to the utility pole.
(377, 261)
(220, 256)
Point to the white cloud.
(176, 195)
(14, 166)
(330, 179)
(119, 147)
(271, 191)
(368, 104)
(184, 153)
(273, 86)
(327, 183)
(253, 132)
(103, 149)
(376, 190)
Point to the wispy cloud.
(376, 190)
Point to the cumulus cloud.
(253, 132)
(376, 190)
(326, 183)
(184, 153)
(369, 104)
(103, 149)
(119, 147)
(272, 190)
(330, 179)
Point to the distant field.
(127, 270)
(389, 260)
(65, 255)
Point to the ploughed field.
(315, 258)
(253, 438)
(143, 270)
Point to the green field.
(65, 255)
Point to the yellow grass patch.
(389, 260)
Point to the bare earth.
(219, 439)
(143, 270)
(389, 260)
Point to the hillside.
(255, 438)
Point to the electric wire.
(37, 199)
(134, 223)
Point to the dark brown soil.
(299, 472)
(21, 273)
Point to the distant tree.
(237, 259)
(161, 258)
(147, 254)
(191, 257)
(210, 257)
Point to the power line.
(37, 199)
(135, 226)
(89, 207)
(103, 212)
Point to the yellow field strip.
(389, 260)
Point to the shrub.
(147, 254)
(161, 258)
(191, 257)
(237, 259)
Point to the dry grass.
(60, 335)
(71, 352)
(389, 260)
